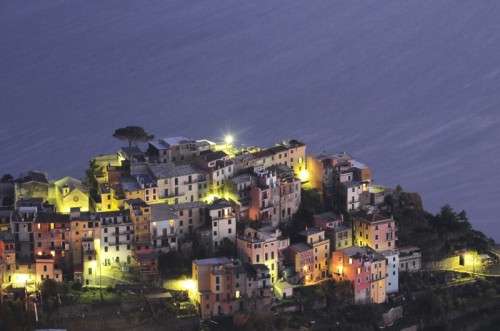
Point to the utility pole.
(100, 279)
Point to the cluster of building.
(201, 198)
(180, 195)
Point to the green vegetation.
(132, 134)
(311, 203)
(90, 180)
(439, 235)
(172, 265)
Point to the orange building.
(365, 269)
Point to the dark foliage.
(132, 134)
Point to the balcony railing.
(124, 232)
(115, 243)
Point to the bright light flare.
(303, 175)
(188, 284)
(229, 139)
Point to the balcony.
(173, 195)
(116, 243)
(124, 232)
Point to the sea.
(410, 88)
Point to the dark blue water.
(409, 87)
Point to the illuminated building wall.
(52, 237)
(315, 238)
(31, 185)
(7, 258)
(237, 189)
(374, 230)
(140, 214)
(222, 223)
(302, 256)
(164, 227)
(22, 226)
(68, 193)
(191, 217)
(296, 157)
(44, 266)
(180, 184)
(116, 238)
(220, 286)
(260, 247)
(366, 271)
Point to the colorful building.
(315, 238)
(374, 230)
(365, 269)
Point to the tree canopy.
(133, 134)
(7, 178)
(90, 179)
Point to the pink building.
(302, 256)
(374, 230)
(365, 269)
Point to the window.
(90, 271)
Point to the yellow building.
(69, 193)
(374, 230)
(262, 246)
(315, 238)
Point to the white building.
(222, 223)
(116, 238)
(392, 271)
(164, 227)
(179, 184)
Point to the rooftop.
(213, 156)
(370, 218)
(188, 205)
(168, 170)
(219, 204)
(300, 247)
(366, 252)
(70, 183)
(243, 178)
(161, 212)
(309, 231)
(212, 261)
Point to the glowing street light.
(229, 139)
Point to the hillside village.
(230, 211)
